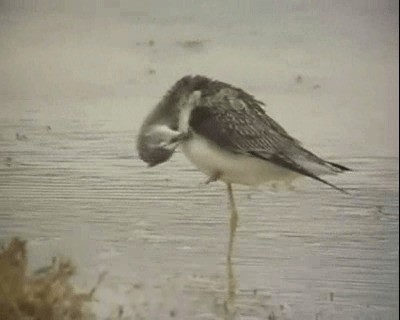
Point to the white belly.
(232, 168)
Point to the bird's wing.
(239, 124)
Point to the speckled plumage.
(229, 120)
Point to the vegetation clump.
(46, 294)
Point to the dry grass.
(46, 294)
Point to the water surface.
(76, 85)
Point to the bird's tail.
(314, 167)
(339, 166)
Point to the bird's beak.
(175, 141)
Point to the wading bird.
(225, 132)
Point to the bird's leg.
(213, 178)
(233, 221)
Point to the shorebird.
(226, 133)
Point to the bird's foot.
(274, 187)
(290, 186)
(213, 178)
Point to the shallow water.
(71, 183)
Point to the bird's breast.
(231, 167)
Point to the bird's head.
(157, 138)
(157, 144)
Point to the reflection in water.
(230, 308)
(232, 284)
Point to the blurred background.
(77, 79)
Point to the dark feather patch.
(244, 129)
(202, 122)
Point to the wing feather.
(240, 125)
